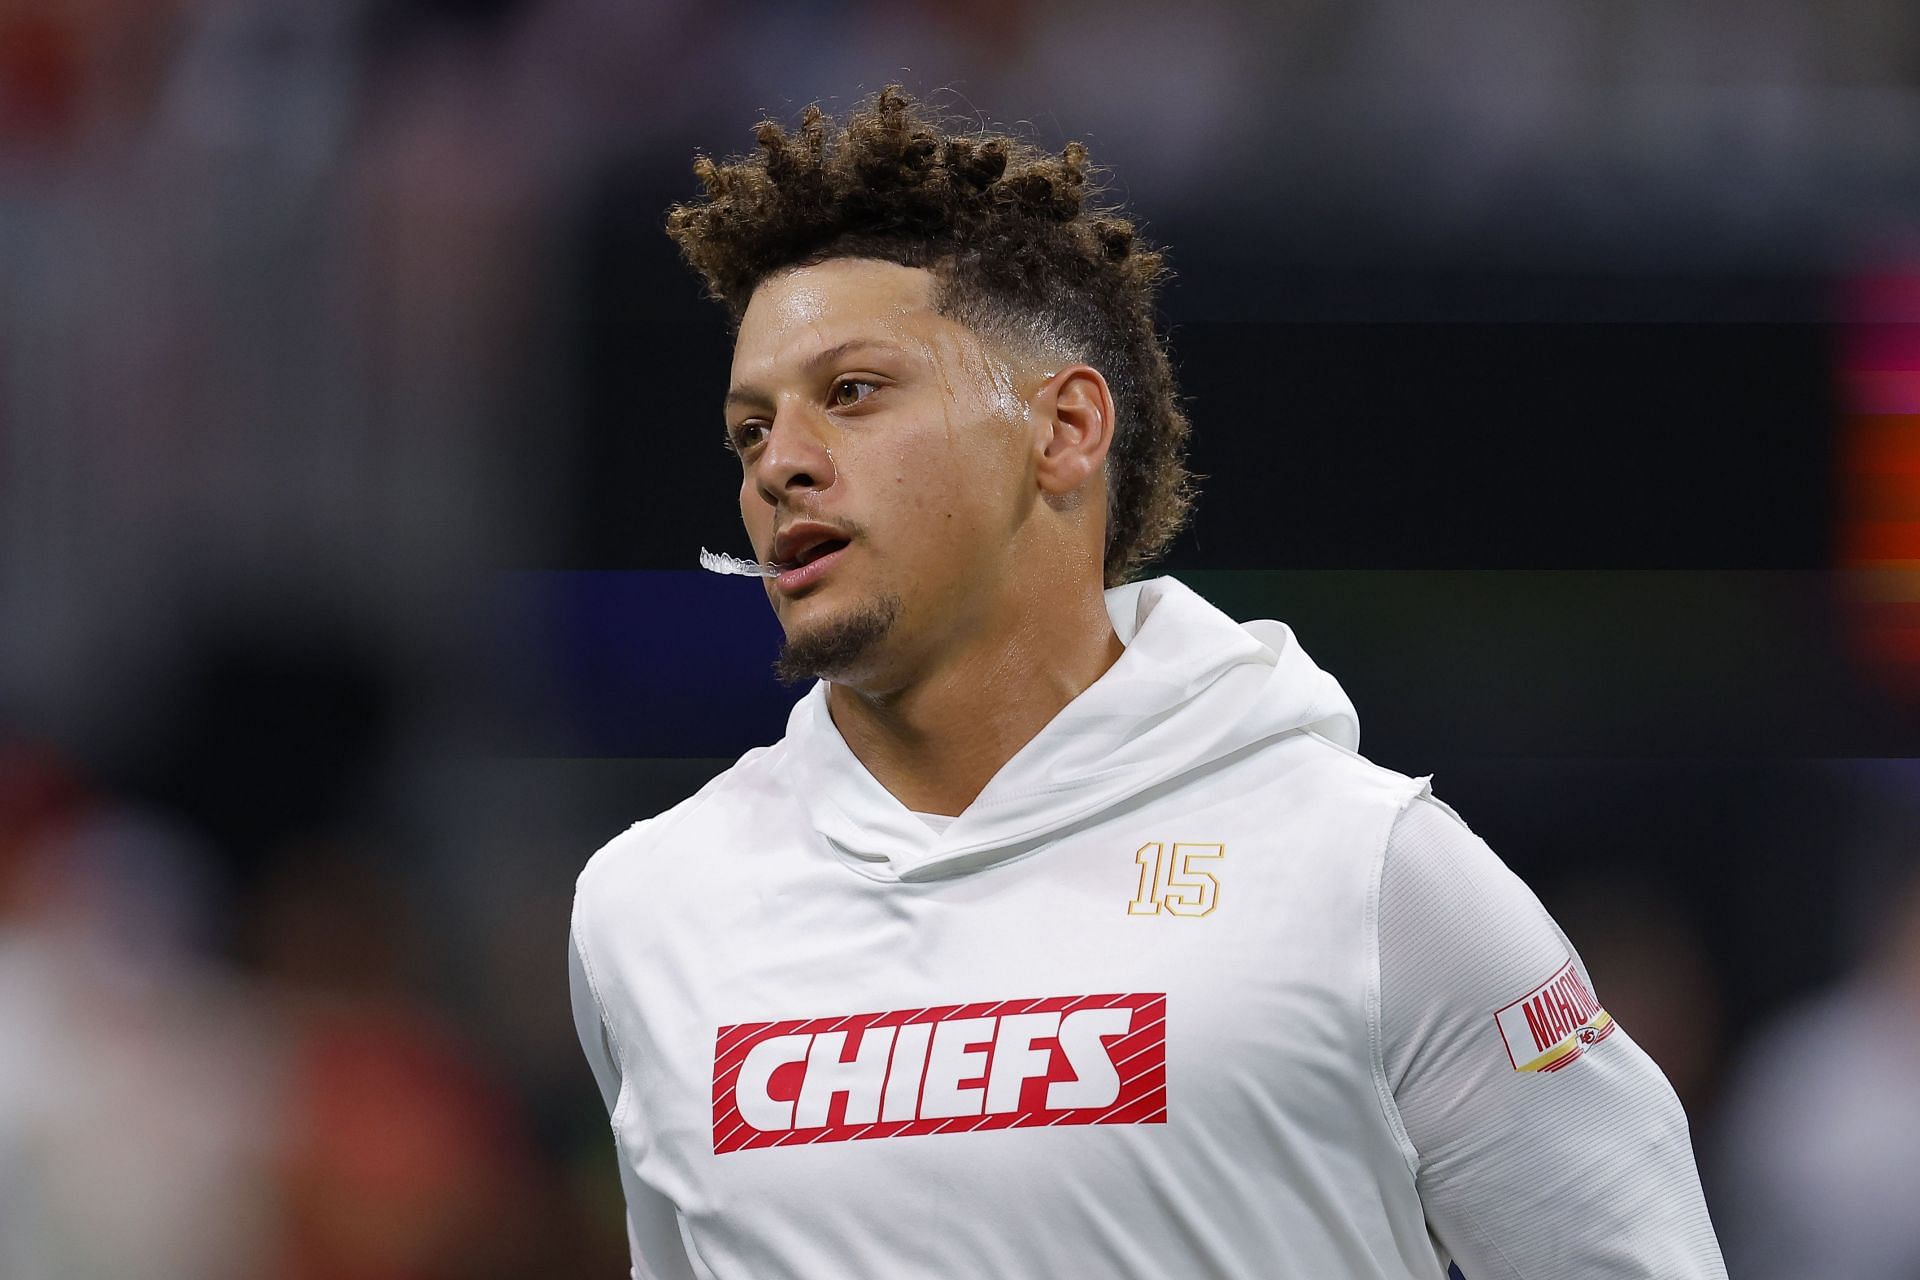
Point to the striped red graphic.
(998, 1064)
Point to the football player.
(1065, 933)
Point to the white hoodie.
(1190, 989)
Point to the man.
(1064, 933)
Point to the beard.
(838, 645)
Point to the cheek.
(944, 489)
(948, 511)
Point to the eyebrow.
(750, 395)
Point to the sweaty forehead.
(802, 310)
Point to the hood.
(1192, 687)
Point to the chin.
(839, 644)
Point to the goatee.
(839, 644)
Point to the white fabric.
(1311, 1120)
(1588, 1171)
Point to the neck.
(937, 740)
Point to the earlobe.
(1077, 409)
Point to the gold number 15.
(1170, 882)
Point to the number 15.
(1172, 884)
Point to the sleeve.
(1545, 1142)
(653, 1227)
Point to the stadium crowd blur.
(347, 506)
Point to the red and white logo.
(1547, 1028)
(956, 1068)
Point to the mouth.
(809, 565)
(805, 541)
(817, 551)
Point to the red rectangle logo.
(1001, 1064)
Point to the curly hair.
(1019, 250)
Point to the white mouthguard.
(721, 562)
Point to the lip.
(790, 581)
(802, 536)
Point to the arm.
(1584, 1169)
(653, 1229)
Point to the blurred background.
(1555, 372)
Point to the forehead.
(799, 311)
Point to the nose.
(794, 459)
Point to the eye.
(745, 436)
(839, 397)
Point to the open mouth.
(809, 554)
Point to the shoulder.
(631, 901)
(1435, 867)
(1432, 854)
(1340, 774)
(747, 783)
(1459, 933)
(1424, 827)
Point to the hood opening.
(1193, 688)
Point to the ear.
(1073, 416)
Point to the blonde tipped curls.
(1016, 238)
